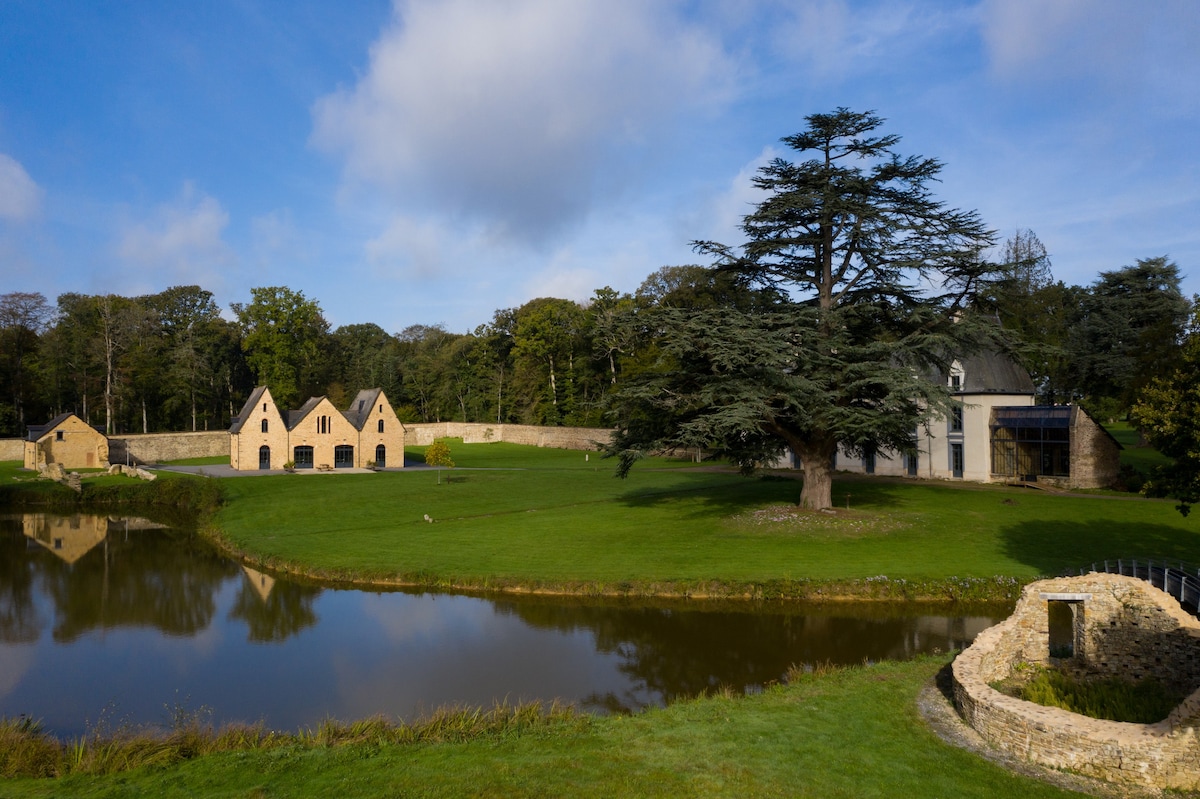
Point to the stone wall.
(1095, 456)
(12, 449)
(159, 447)
(581, 438)
(1121, 626)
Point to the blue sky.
(424, 162)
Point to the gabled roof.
(236, 423)
(994, 373)
(37, 431)
(360, 407)
(297, 416)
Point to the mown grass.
(847, 733)
(214, 460)
(560, 522)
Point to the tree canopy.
(860, 281)
(1168, 413)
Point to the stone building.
(68, 441)
(997, 434)
(317, 435)
(1092, 626)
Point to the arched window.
(264, 456)
(381, 456)
(264, 425)
(381, 425)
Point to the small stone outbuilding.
(68, 441)
(1095, 625)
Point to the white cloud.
(1127, 48)
(834, 37)
(20, 196)
(516, 114)
(180, 239)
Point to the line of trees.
(172, 362)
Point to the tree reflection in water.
(19, 622)
(103, 574)
(273, 611)
(671, 652)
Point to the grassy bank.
(850, 733)
(560, 523)
(178, 499)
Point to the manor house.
(995, 433)
(318, 435)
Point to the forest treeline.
(173, 362)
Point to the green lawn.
(851, 733)
(558, 520)
(1137, 454)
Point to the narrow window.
(956, 419)
(264, 425)
(264, 407)
(381, 425)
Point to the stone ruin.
(1096, 625)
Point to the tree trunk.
(816, 462)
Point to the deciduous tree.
(1168, 413)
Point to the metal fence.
(1177, 578)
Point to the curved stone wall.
(1122, 626)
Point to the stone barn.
(68, 441)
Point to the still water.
(123, 621)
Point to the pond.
(122, 621)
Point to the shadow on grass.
(729, 494)
(1053, 547)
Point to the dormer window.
(956, 376)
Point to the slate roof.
(235, 425)
(994, 373)
(36, 431)
(296, 417)
(361, 407)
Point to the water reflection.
(155, 618)
(273, 610)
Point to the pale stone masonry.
(318, 435)
(66, 441)
(1104, 625)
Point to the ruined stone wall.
(159, 447)
(1095, 457)
(1125, 627)
(581, 438)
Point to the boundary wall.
(158, 447)
(12, 449)
(581, 438)
(1117, 626)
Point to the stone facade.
(67, 441)
(12, 449)
(1095, 454)
(1115, 626)
(580, 438)
(317, 435)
